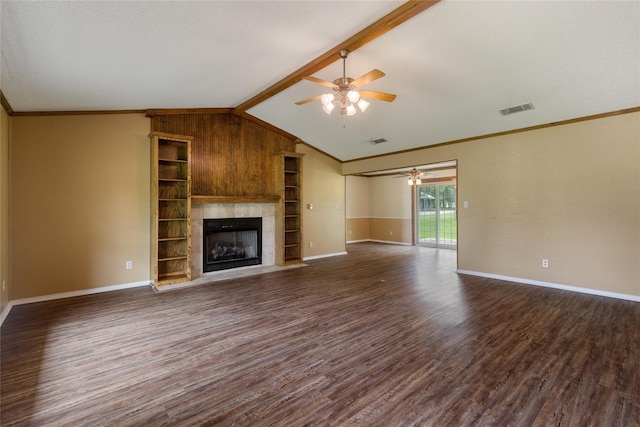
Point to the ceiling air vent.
(517, 109)
(377, 141)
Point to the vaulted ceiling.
(453, 66)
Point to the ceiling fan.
(415, 176)
(345, 93)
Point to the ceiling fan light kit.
(414, 177)
(363, 105)
(345, 94)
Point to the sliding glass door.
(437, 223)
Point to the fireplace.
(231, 243)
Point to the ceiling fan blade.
(368, 78)
(382, 96)
(304, 101)
(320, 81)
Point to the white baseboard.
(388, 242)
(635, 298)
(5, 312)
(50, 297)
(581, 290)
(307, 258)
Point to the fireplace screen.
(231, 243)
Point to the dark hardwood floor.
(384, 336)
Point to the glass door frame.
(416, 212)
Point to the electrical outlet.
(390, 233)
(545, 263)
(310, 244)
(128, 265)
(4, 285)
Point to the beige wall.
(357, 229)
(357, 208)
(80, 202)
(80, 197)
(5, 290)
(378, 208)
(389, 198)
(390, 209)
(357, 191)
(570, 194)
(394, 230)
(323, 186)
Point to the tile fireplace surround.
(231, 210)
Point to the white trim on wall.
(581, 290)
(389, 242)
(324, 255)
(5, 312)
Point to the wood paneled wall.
(231, 155)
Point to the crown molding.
(508, 132)
(74, 113)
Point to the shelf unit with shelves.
(171, 208)
(289, 209)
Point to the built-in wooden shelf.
(171, 208)
(288, 211)
(173, 258)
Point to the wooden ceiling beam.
(402, 14)
(5, 104)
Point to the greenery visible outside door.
(436, 215)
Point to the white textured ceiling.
(453, 66)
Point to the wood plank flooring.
(384, 336)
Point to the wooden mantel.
(203, 200)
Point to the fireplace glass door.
(232, 243)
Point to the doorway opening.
(436, 214)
